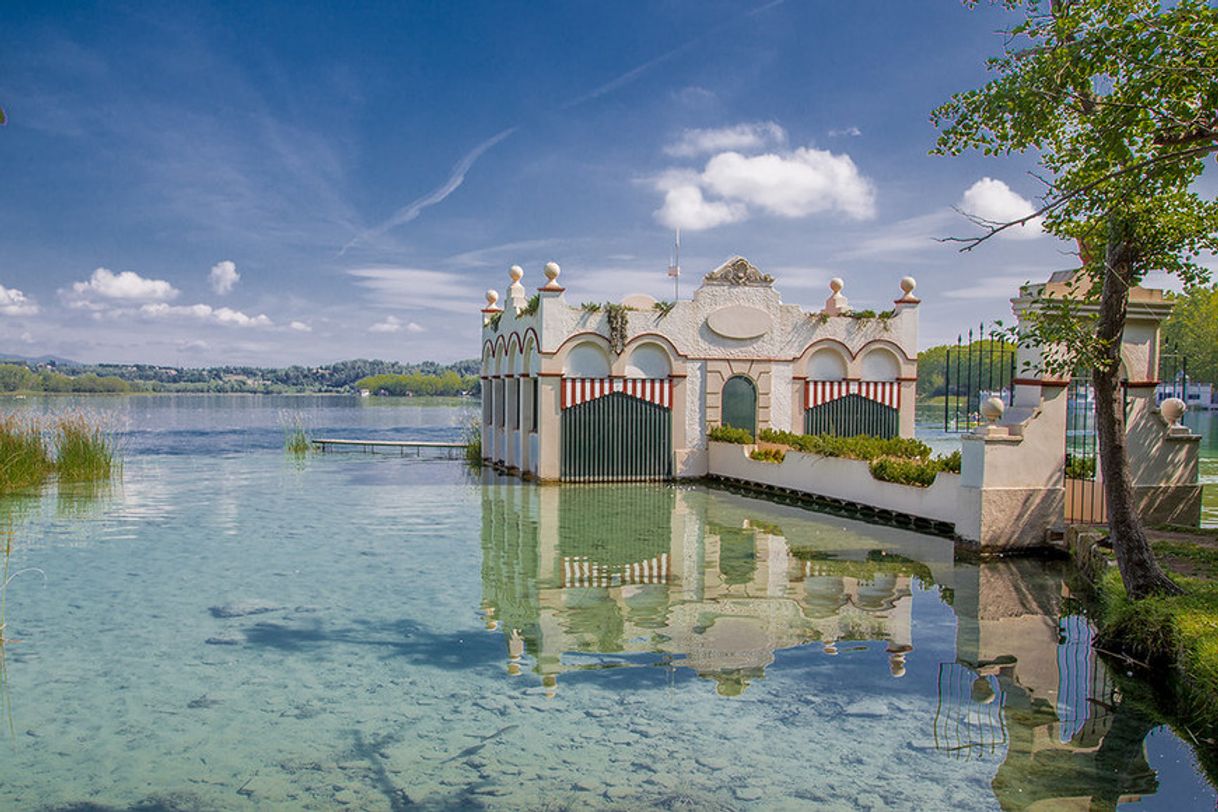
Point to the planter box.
(842, 479)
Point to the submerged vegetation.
(83, 451)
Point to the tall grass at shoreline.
(82, 451)
(25, 461)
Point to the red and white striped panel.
(886, 392)
(581, 390)
(582, 571)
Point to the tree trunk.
(1140, 572)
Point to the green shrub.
(1080, 467)
(729, 434)
(83, 451)
(858, 447)
(951, 462)
(893, 459)
(905, 471)
(768, 454)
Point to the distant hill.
(53, 360)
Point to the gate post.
(1162, 453)
(1012, 483)
(549, 421)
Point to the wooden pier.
(371, 446)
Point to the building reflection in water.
(593, 577)
(589, 577)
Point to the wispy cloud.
(418, 289)
(437, 195)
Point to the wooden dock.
(371, 446)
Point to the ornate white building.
(628, 391)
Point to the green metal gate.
(850, 415)
(616, 438)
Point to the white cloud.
(745, 137)
(685, 207)
(992, 201)
(801, 183)
(853, 132)
(391, 324)
(223, 276)
(415, 328)
(794, 184)
(218, 315)
(300, 327)
(15, 303)
(127, 286)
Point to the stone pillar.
(549, 428)
(1012, 477)
(908, 304)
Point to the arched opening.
(826, 365)
(881, 365)
(648, 361)
(739, 404)
(586, 360)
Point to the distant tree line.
(990, 368)
(419, 383)
(427, 377)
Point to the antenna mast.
(674, 270)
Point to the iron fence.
(979, 367)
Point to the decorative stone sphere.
(552, 271)
(908, 284)
(1172, 410)
(992, 408)
(515, 272)
(492, 296)
(836, 284)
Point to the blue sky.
(300, 183)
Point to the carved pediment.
(738, 271)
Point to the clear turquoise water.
(229, 628)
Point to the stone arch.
(827, 363)
(586, 359)
(880, 364)
(648, 360)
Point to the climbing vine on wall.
(618, 324)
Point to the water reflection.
(584, 578)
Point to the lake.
(233, 628)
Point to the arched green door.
(739, 404)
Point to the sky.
(279, 183)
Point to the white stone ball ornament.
(515, 273)
(992, 409)
(552, 271)
(836, 284)
(1172, 410)
(492, 296)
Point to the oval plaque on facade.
(739, 321)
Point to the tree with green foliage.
(1192, 331)
(1118, 100)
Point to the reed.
(295, 438)
(25, 462)
(84, 452)
(473, 443)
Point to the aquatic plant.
(24, 460)
(295, 439)
(84, 452)
(472, 435)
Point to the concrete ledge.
(845, 481)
